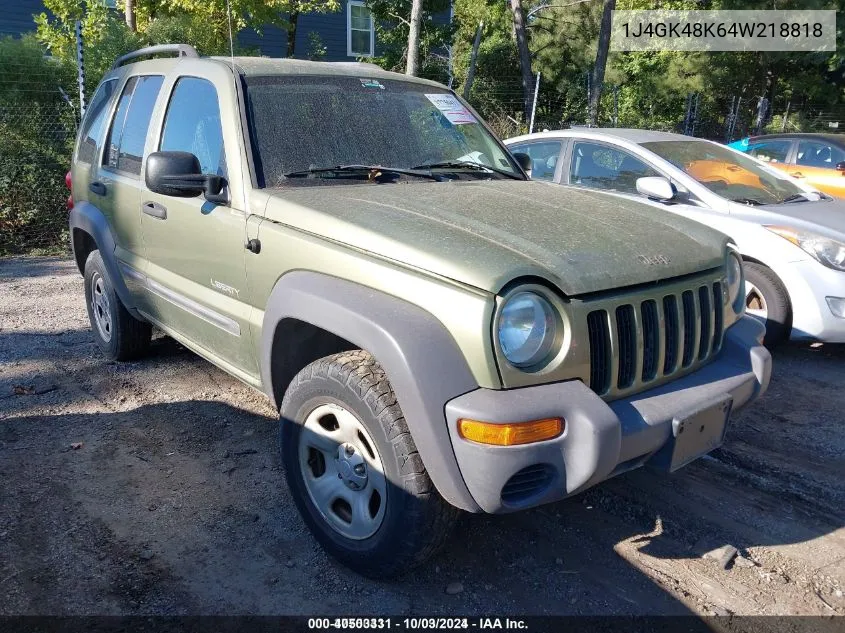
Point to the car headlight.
(735, 281)
(823, 249)
(527, 328)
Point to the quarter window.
(544, 157)
(131, 121)
(770, 151)
(817, 154)
(602, 167)
(360, 32)
(92, 127)
(192, 124)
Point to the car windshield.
(305, 124)
(725, 172)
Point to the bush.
(37, 130)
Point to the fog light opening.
(837, 306)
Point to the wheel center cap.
(351, 467)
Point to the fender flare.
(422, 360)
(86, 217)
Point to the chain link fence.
(722, 118)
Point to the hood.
(823, 217)
(487, 233)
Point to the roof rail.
(181, 50)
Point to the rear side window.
(819, 154)
(91, 134)
(128, 132)
(192, 124)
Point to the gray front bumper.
(600, 439)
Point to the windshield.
(724, 172)
(311, 122)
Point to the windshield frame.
(738, 158)
(253, 151)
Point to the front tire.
(118, 334)
(354, 471)
(766, 299)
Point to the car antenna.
(234, 73)
(232, 54)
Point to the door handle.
(97, 187)
(155, 209)
(797, 174)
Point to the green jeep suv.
(438, 332)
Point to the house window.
(360, 34)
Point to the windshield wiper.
(468, 165)
(750, 201)
(371, 171)
(796, 197)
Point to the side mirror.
(179, 174)
(524, 161)
(656, 188)
(840, 166)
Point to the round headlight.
(736, 283)
(526, 330)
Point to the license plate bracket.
(696, 433)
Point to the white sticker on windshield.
(452, 109)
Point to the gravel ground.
(155, 487)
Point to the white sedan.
(792, 238)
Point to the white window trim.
(349, 51)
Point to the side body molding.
(424, 364)
(86, 217)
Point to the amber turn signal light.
(512, 433)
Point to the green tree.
(392, 23)
(105, 36)
(497, 87)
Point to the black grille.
(704, 336)
(670, 316)
(639, 337)
(599, 351)
(651, 339)
(718, 315)
(689, 327)
(527, 482)
(626, 331)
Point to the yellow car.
(819, 159)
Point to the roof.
(264, 66)
(630, 135)
(838, 139)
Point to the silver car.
(792, 237)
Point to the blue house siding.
(273, 41)
(331, 27)
(16, 16)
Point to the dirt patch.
(155, 487)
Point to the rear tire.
(767, 300)
(118, 334)
(340, 424)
